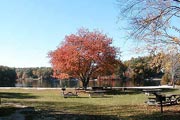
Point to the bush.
(7, 77)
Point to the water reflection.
(51, 83)
(73, 83)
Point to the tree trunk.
(173, 84)
(85, 82)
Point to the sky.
(30, 29)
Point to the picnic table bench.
(68, 94)
(96, 92)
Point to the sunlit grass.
(128, 105)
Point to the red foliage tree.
(84, 55)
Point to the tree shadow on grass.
(84, 111)
(68, 116)
(16, 95)
(68, 111)
(5, 111)
(154, 113)
(156, 116)
(47, 111)
(9, 112)
(75, 114)
(54, 115)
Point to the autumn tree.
(153, 21)
(142, 68)
(84, 55)
(169, 62)
(138, 70)
(157, 62)
(165, 79)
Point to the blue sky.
(29, 29)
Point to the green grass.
(50, 104)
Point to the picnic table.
(68, 94)
(163, 99)
(96, 92)
(151, 91)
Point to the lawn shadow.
(5, 111)
(57, 115)
(168, 115)
(10, 111)
(68, 111)
(17, 95)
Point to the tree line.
(138, 70)
(162, 65)
(35, 73)
(8, 76)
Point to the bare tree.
(172, 63)
(152, 21)
(155, 23)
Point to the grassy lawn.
(49, 104)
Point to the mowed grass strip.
(51, 103)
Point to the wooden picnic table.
(165, 99)
(96, 93)
(162, 100)
(69, 93)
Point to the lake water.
(54, 83)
